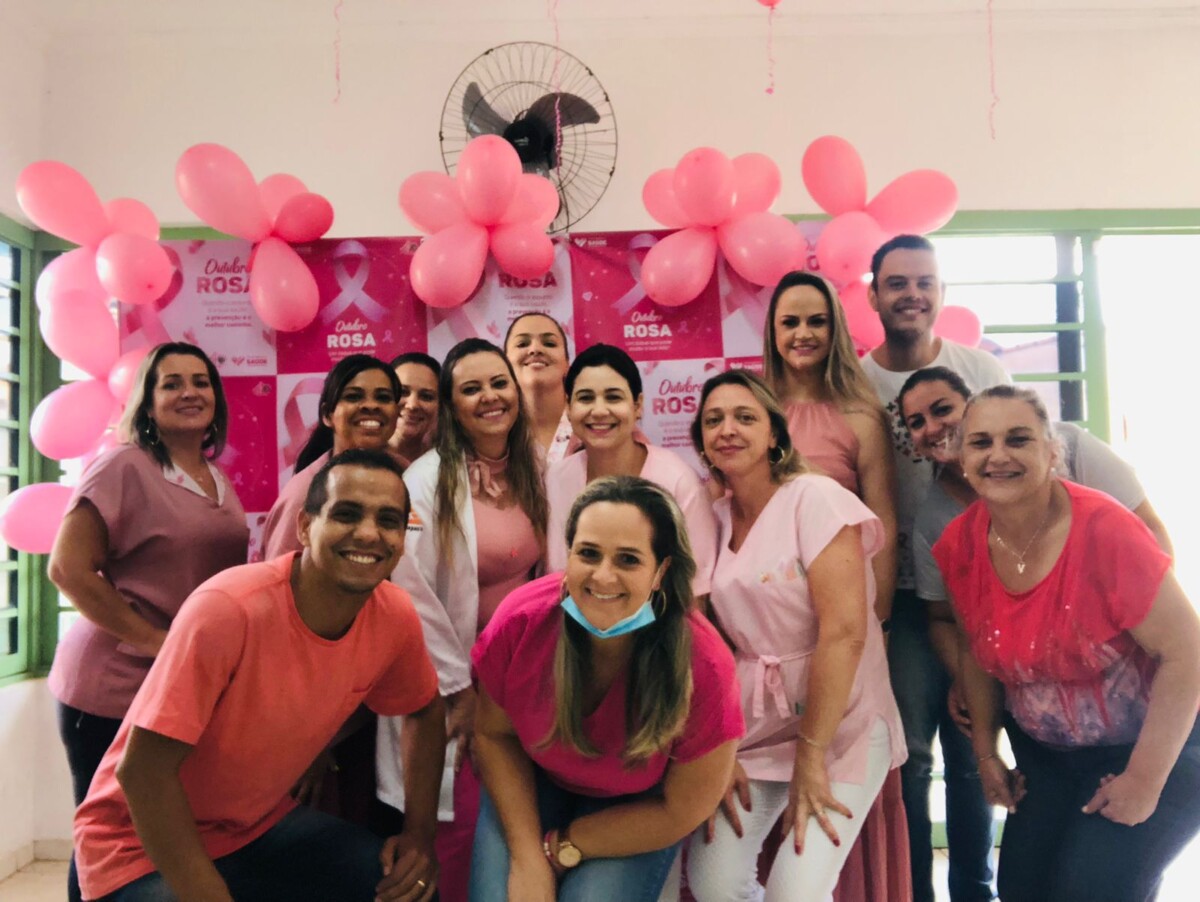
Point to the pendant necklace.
(1021, 555)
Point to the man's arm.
(149, 775)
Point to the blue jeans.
(921, 685)
(309, 856)
(1052, 851)
(637, 878)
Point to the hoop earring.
(661, 597)
(778, 460)
(150, 432)
(707, 463)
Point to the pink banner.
(249, 456)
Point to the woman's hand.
(1125, 798)
(460, 724)
(956, 703)
(1001, 786)
(531, 880)
(809, 795)
(410, 869)
(739, 787)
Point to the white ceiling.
(74, 17)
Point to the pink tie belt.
(767, 678)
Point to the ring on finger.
(421, 884)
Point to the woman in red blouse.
(1075, 623)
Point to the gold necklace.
(1021, 556)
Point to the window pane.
(8, 636)
(9, 263)
(8, 448)
(1030, 352)
(9, 355)
(10, 307)
(8, 590)
(988, 258)
(1005, 305)
(9, 406)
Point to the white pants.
(725, 870)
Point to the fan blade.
(478, 116)
(572, 110)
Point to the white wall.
(22, 103)
(1095, 111)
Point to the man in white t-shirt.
(906, 290)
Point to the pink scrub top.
(760, 595)
(821, 434)
(506, 544)
(279, 532)
(526, 628)
(666, 469)
(165, 537)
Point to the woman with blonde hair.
(615, 736)
(477, 531)
(793, 591)
(536, 346)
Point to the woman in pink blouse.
(477, 532)
(1079, 633)
(793, 591)
(148, 523)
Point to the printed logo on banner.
(249, 455)
(367, 305)
(208, 305)
(501, 298)
(753, 364)
(670, 401)
(611, 305)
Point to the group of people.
(502, 647)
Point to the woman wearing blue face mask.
(615, 736)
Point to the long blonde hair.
(847, 384)
(524, 471)
(658, 695)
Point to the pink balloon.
(535, 201)
(446, 268)
(73, 271)
(846, 245)
(133, 268)
(129, 215)
(219, 188)
(107, 442)
(123, 373)
(278, 189)
(282, 288)
(80, 329)
(915, 203)
(960, 325)
(769, 4)
(60, 200)
(834, 175)
(522, 249)
(762, 247)
(679, 267)
(658, 196)
(30, 516)
(758, 182)
(861, 319)
(303, 218)
(487, 175)
(71, 419)
(431, 201)
(705, 186)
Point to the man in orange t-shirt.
(262, 667)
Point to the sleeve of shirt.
(410, 683)
(1097, 466)
(493, 654)
(716, 715)
(1124, 566)
(114, 486)
(930, 585)
(279, 532)
(199, 657)
(824, 510)
(701, 526)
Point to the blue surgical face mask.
(643, 616)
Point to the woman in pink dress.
(793, 591)
(536, 346)
(604, 389)
(477, 532)
(836, 424)
(148, 523)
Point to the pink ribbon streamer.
(768, 679)
(337, 51)
(771, 50)
(482, 481)
(293, 422)
(353, 291)
(991, 32)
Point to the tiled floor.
(43, 881)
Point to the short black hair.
(933, 374)
(899, 243)
(418, 357)
(318, 489)
(610, 356)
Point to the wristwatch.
(560, 850)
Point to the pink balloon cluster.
(488, 205)
(914, 203)
(716, 203)
(280, 211)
